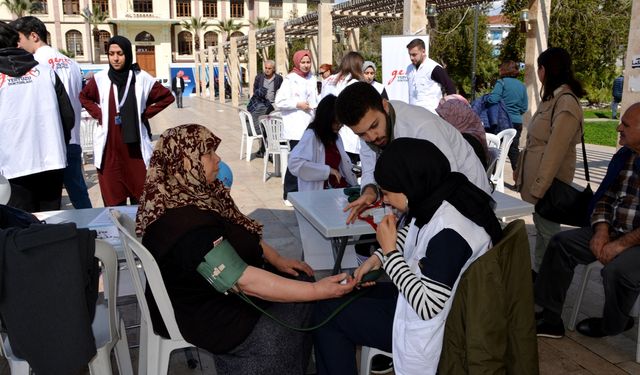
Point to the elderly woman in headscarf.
(456, 111)
(296, 99)
(448, 223)
(184, 209)
(122, 98)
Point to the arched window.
(210, 39)
(104, 41)
(74, 42)
(145, 37)
(237, 33)
(185, 46)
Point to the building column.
(536, 43)
(312, 44)
(212, 77)
(196, 61)
(221, 72)
(631, 91)
(414, 19)
(325, 34)
(252, 58)
(281, 48)
(234, 73)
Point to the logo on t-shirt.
(27, 78)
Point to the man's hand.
(610, 251)
(600, 239)
(366, 199)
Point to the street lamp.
(524, 20)
(432, 12)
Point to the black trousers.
(620, 277)
(514, 149)
(290, 181)
(37, 192)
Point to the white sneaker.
(287, 203)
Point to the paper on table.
(104, 227)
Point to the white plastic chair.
(248, 133)
(588, 268)
(504, 139)
(108, 327)
(155, 350)
(87, 123)
(5, 190)
(275, 144)
(366, 355)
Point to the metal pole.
(475, 48)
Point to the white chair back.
(87, 124)
(5, 190)
(248, 133)
(505, 138)
(154, 349)
(276, 145)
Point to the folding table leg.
(338, 245)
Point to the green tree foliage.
(227, 27)
(452, 46)
(370, 42)
(20, 8)
(513, 45)
(595, 32)
(261, 23)
(197, 25)
(94, 17)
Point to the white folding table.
(322, 211)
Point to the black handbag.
(563, 203)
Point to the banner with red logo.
(395, 59)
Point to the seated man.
(613, 239)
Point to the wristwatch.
(385, 257)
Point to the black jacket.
(259, 91)
(49, 287)
(174, 84)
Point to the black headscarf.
(129, 110)
(419, 170)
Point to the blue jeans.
(74, 178)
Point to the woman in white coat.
(350, 72)
(296, 100)
(448, 223)
(319, 160)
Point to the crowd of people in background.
(427, 159)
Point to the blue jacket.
(613, 170)
(514, 95)
(494, 116)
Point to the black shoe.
(381, 364)
(592, 327)
(550, 330)
(260, 154)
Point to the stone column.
(221, 43)
(414, 20)
(325, 34)
(631, 91)
(196, 60)
(212, 78)
(536, 43)
(354, 39)
(252, 59)
(234, 73)
(281, 48)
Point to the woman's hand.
(291, 266)
(373, 263)
(334, 286)
(335, 173)
(387, 233)
(303, 106)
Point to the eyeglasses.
(321, 73)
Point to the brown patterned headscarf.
(176, 178)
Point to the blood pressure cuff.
(222, 266)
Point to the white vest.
(31, 135)
(144, 83)
(424, 91)
(417, 343)
(71, 77)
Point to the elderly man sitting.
(613, 239)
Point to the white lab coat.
(424, 91)
(307, 162)
(296, 89)
(416, 122)
(350, 140)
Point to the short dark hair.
(8, 36)
(29, 24)
(417, 42)
(355, 100)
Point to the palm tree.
(227, 28)
(19, 8)
(196, 25)
(94, 17)
(261, 23)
